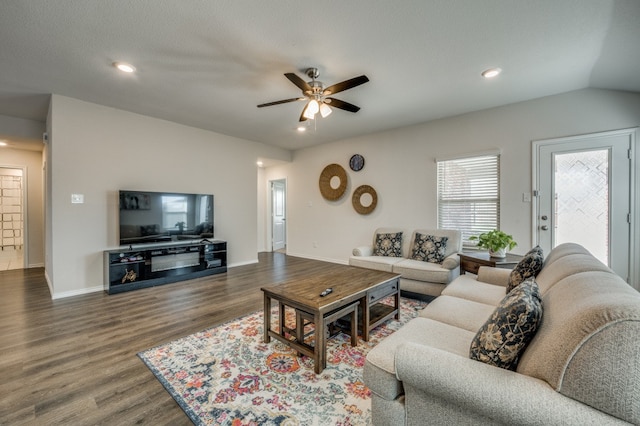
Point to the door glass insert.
(582, 200)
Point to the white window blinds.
(469, 195)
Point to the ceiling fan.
(318, 97)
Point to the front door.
(584, 193)
(278, 206)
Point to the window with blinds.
(469, 195)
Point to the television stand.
(131, 268)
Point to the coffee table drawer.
(384, 290)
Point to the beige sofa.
(417, 276)
(582, 367)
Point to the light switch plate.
(77, 198)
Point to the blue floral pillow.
(528, 267)
(429, 248)
(389, 245)
(506, 334)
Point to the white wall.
(34, 219)
(400, 166)
(96, 150)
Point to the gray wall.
(400, 165)
(96, 150)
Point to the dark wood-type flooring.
(73, 360)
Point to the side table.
(472, 261)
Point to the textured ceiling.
(208, 64)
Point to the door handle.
(544, 217)
(544, 227)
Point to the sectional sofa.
(581, 367)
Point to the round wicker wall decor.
(328, 173)
(357, 203)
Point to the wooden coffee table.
(356, 291)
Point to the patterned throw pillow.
(505, 335)
(528, 267)
(429, 248)
(389, 245)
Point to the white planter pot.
(500, 253)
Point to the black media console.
(133, 268)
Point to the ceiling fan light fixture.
(312, 109)
(325, 110)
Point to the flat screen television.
(155, 217)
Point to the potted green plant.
(496, 241)
(180, 226)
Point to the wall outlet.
(77, 198)
(526, 197)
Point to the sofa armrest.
(363, 251)
(444, 387)
(451, 262)
(495, 276)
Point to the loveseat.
(581, 367)
(416, 276)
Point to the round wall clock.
(356, 162)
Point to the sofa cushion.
(567, 265)
(429, 248)
(528, 267)
(469, 288)
(462, 313)
(379, 369)
(423, 271)
(388, 244)
(508, 331)
(379, 263)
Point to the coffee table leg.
(267, 318)
(366, 318)
(280, 318)
(354, 327)
(397, 299)
(320, 347)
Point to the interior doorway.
(584, 195)
(278, 215)
(12, 208)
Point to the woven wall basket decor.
(356, 199)
(328, 173)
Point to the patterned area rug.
(226, 375)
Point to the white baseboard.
(323, 259)
(248, 262)
(78, 292)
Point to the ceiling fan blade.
(303, 85)
(337, 103)
(347, 84)
(284, 101)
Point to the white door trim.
(25, 212)
(272, 212)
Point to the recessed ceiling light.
(491, 72)
(3, 143)
(259, 163)
(124, 67)
(302, 128)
